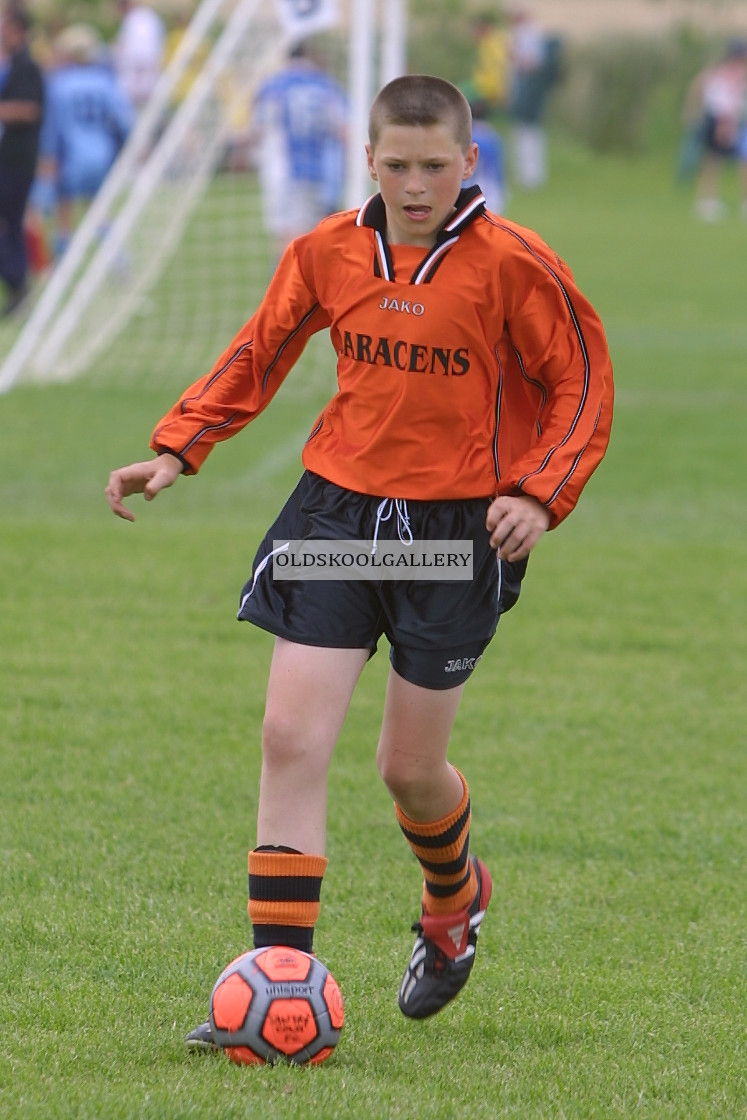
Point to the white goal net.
(172, 257)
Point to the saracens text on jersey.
(410, 357)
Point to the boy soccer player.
(474, 402)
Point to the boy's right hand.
(141, 478)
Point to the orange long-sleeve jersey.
(474, 369)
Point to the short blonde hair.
(421, 100)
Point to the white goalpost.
(171, 256)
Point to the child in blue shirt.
(87, 120)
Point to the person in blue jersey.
(491, 160)
(88, 118)
(299, 122)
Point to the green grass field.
(603, 736)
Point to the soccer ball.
(276, 1003)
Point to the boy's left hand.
(515, 525)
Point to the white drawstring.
(384, 512)
(403, 521)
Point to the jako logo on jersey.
(402, 305)
(410, 357)
(462, 664)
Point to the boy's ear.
(370, 162)
(470, 160)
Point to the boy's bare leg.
(411, 755)
(308, 694)
(433, 811)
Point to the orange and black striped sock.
(442, 849)
(284, 891)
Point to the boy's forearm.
(246, 376)
(575, 372)
(576, 426)
(555, 475)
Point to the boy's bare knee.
(401, 776)
(287, 741)
(282, 741)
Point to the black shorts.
(437, 630)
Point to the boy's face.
(420, 170)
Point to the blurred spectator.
(138, 50)
(38, 256)
(300, 119)
(4, 60)
(491, 165)
(723, 91)
(535, 67)
(182, 11)
(88, 119)
(742, 157)
(21, 109)
(490, 77)
(692, 145)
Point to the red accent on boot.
(447, 931)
